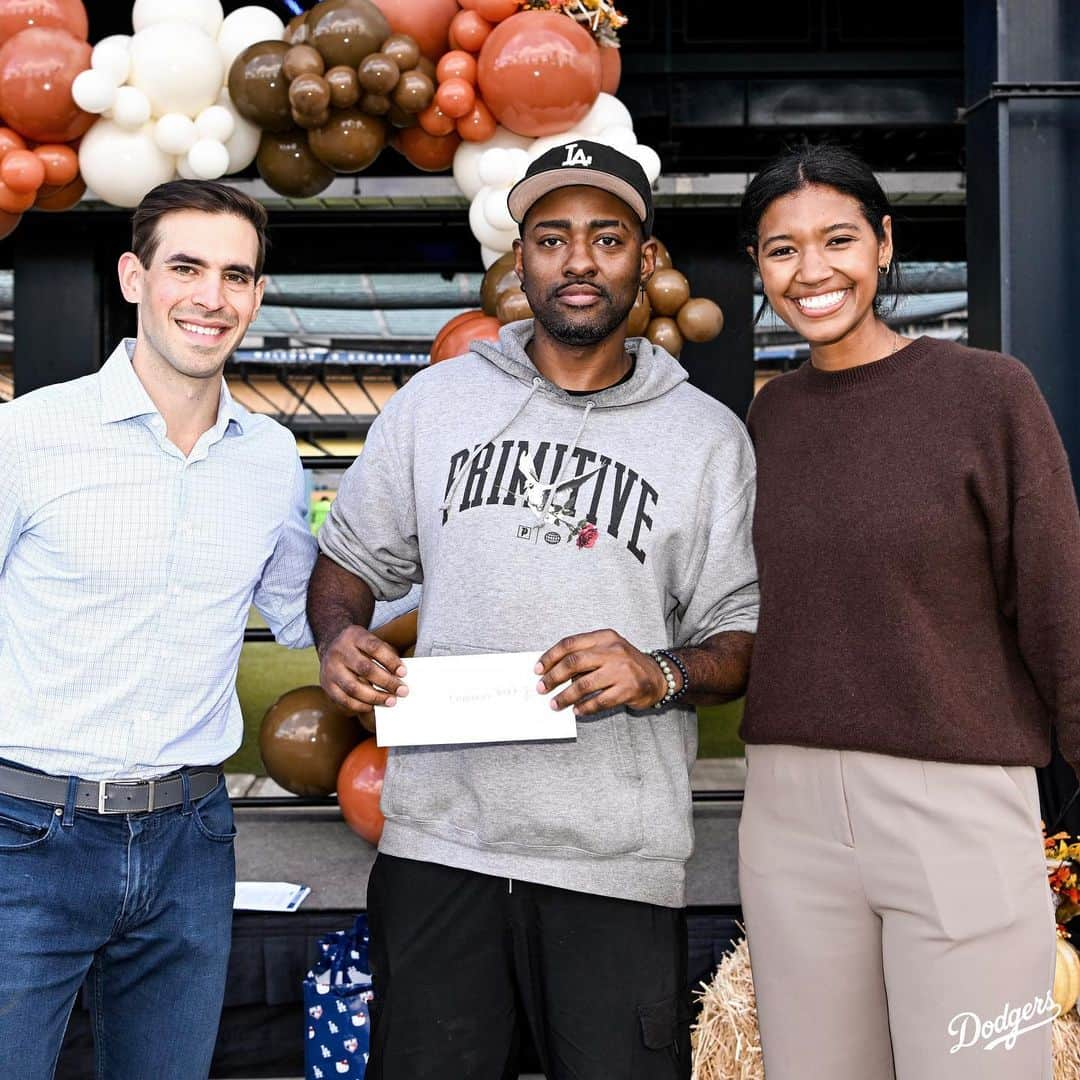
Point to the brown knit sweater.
(918, 546)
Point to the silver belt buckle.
(103, 794)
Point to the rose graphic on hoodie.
(587, 534)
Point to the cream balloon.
(121, 166)
(549, 142)
(245, 26)
(619, 138)
(175, 133)
(496, 212)
(648, 159)
(208, 159)
(93, 91)
(216, 122)
(467, 158)
(495, 167)
(112, 57)
(205, 14)
(489, 256)
(178, 66)
(183, 170)
(607, 112)
(131, 108)
(243, 144)
(501, 240)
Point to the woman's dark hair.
(206, 195)
(830, 166)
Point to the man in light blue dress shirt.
(119, 641)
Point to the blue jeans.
(140, 905)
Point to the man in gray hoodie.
(565, 490)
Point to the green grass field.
(268, 670)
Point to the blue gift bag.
(337, 1001)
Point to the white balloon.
(489, 256)
(607, 112)
(175, 133)
(215, 122)
(493, 167)
(245, 26)
(648, 159)
(549, 142)
(501, 240)
(208, 159)
(178, 67)
(112, 57)
(121, 166)
(131, 109)
(243, 144)
(467, 157)
(519, 162)
(496, 212)
(206, 14)
(183, 170)
(620, 138)
(93, 91)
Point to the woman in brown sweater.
(918, 547)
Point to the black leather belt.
(109, 796)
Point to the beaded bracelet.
(665, 659)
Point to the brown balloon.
(378, 74)
(309, 121)
(345, 31)
(344, 87)
(258, 86)
(668, 290)
(400, 633)
(403, 50)
(700, 319)
(351, 141)
(304, 739)
(512, 305)
(663, 256)
(296, 32)
(640, 314)
(413, 92)
(496, 279)
(665, 333)
(286, 163)
(402, 119)
(375, 104)
(302, 60)
(426, 67)
(309, 95)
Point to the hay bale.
(727, 1045)
(725, 1038)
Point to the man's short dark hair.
(206, 195)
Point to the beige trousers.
(899, 918)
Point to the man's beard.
(600, 325)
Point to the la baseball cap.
(591, 164)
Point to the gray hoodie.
(530, 514)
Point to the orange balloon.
(37, 68)
(539, 72)
(60, 161)
(427, 22)
(469, 31)
(432, 153)
(8, 223)
(495, 10)
(435, 122)
(455, 97)
(22, 171)
(477, 125)
(15, 202)
(359, 788)
(456, 64)
(63, 198)
(456, 342)
(10, 140)
(457, 320)
(610, 69)
(16, 15)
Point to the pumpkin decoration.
(1066, 976)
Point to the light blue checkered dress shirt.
(127, 572)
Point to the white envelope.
(476, 698)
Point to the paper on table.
(476, 698)
(269, 896)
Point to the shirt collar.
(124, 397)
